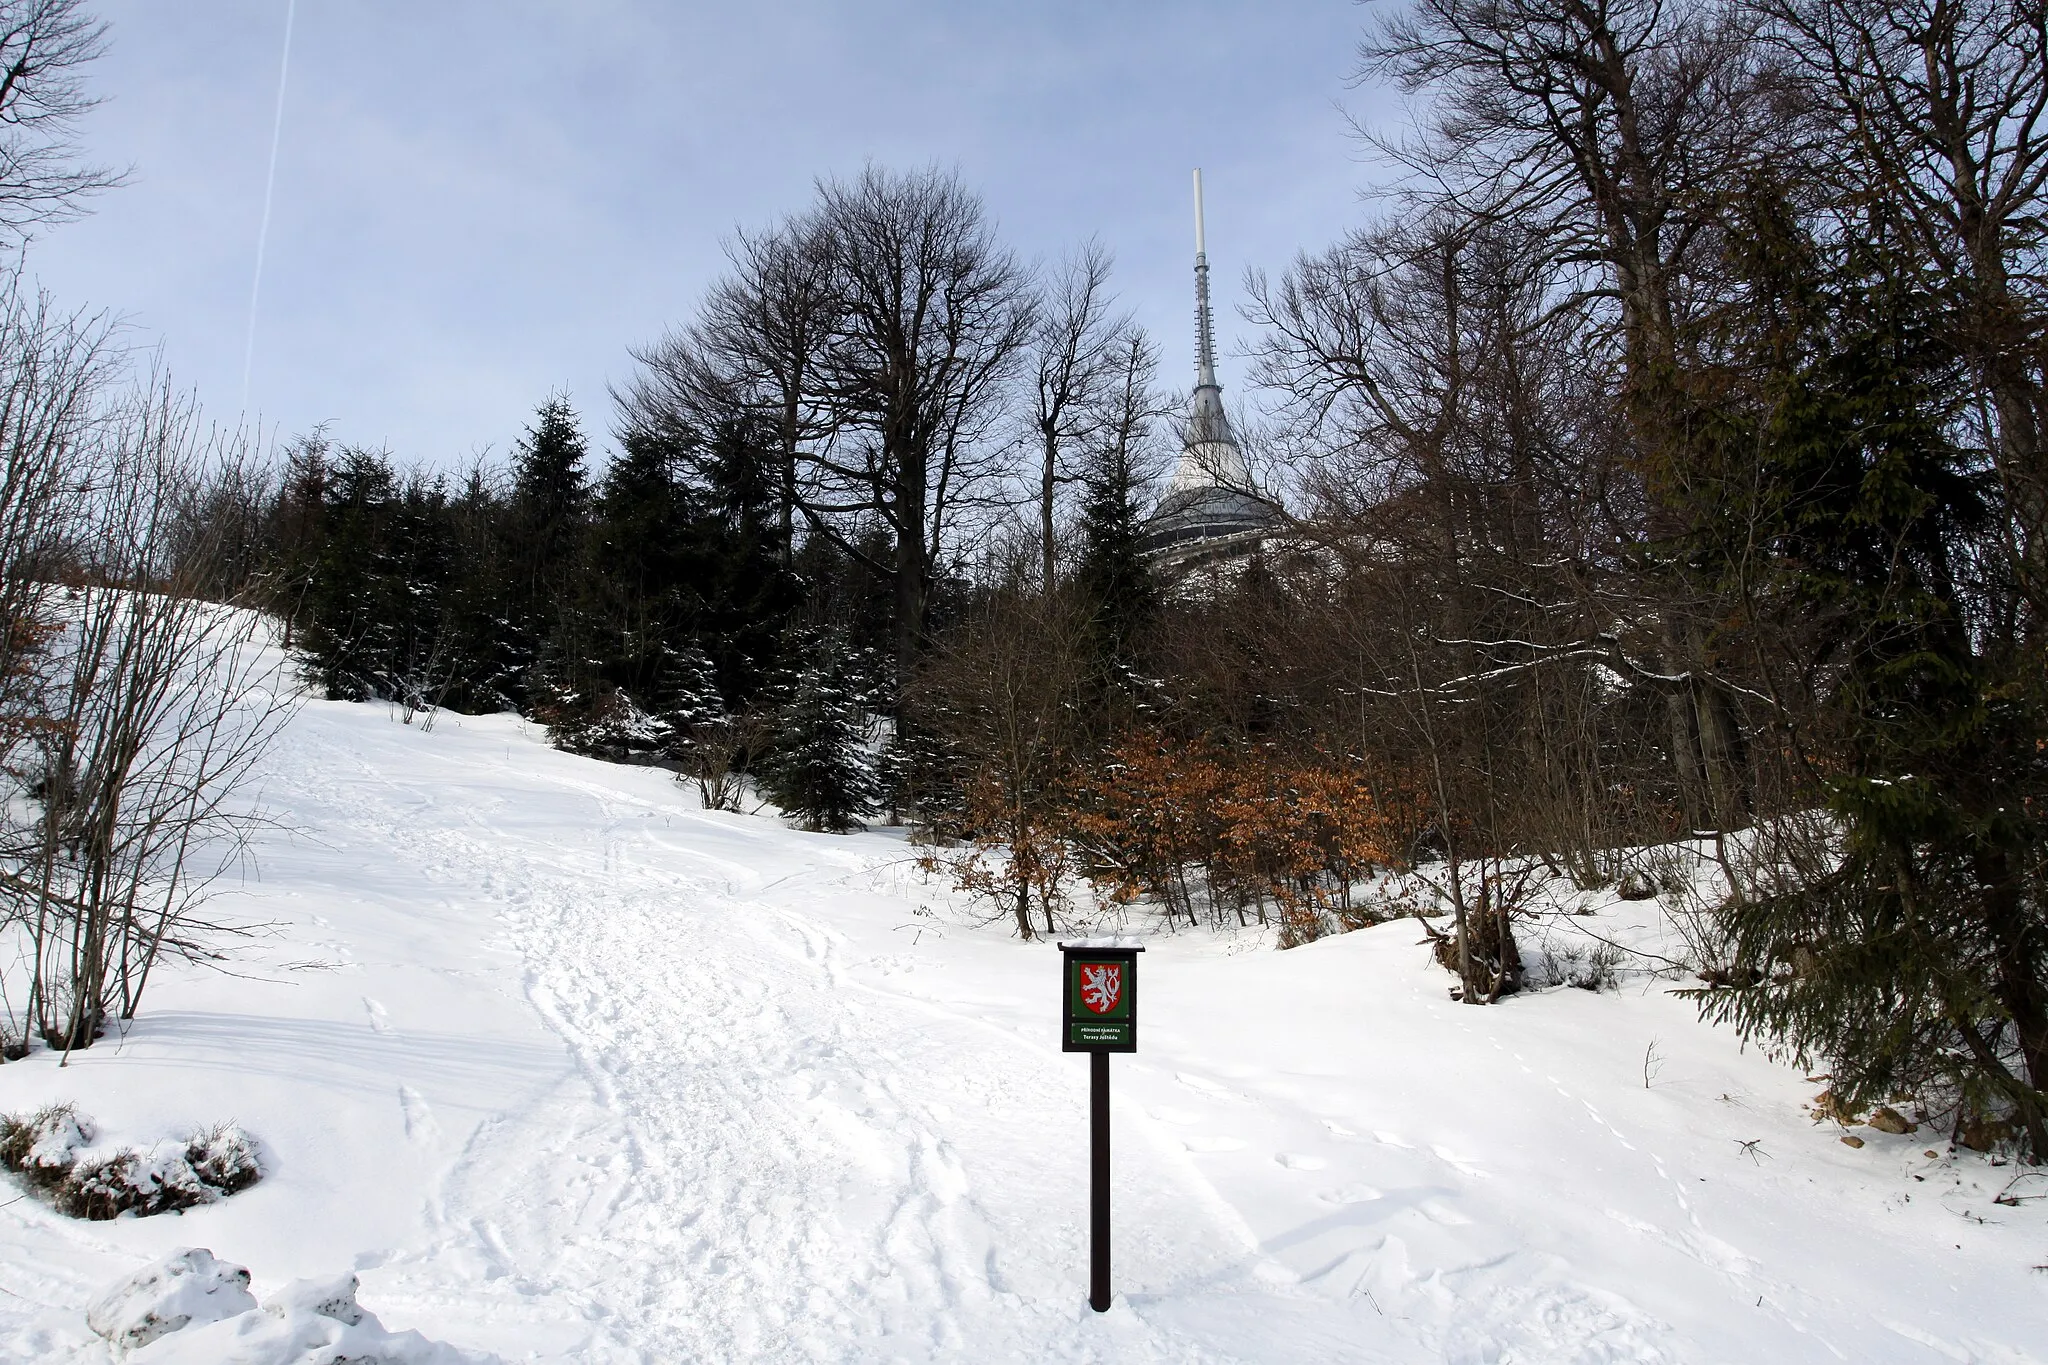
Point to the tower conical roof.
(1210, 496)
(1210, 456)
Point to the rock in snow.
(186, 1288)
(191, 1309)
(334, 1298)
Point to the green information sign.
(1099, 997)
(1099, 1014)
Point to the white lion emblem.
(1100, 986)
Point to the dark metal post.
(1099, 1002)
(1098, 1209)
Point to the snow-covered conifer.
(821, 768)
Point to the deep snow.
(564, 1068)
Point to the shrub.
(224, 1158)
(98, 1189)
(48, 1149)
(1572, 961)
(42, 1147)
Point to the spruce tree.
(347, 612)
(747, 595)
(423, 662)
(1913, 958)
(543, 547)
(375, 623)
(1114, 578)
(297, 529)
(821, 768)
(684, 605)
(641, 594)
(550, 486)
(489, 657)
(684, 698)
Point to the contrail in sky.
(284, 67)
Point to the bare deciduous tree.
(876, 336)
(1938, 110)
(43, 46)
(1607, 129)
(1005, 692)
(139, 710)
(935, 313)
(1077, 346)
(753, 350)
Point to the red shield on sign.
(1102, 985)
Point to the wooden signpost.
(1099, 1009)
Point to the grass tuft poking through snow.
(50, 1150)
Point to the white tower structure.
(1210, 498)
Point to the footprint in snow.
(1179, 1117)
(1298, 1161)
(380, 1020)
(419, 1117)
(1356, 1193)
(1208, 1145)
(1394, 1140)
(1457, 1163)
(938, 1170)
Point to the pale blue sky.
(479, 201)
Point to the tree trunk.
(1046, 485)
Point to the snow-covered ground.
(566, 1069)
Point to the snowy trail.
(569, 1070)
(768, 1160)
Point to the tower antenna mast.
(1205, 326)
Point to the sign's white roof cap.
(1089, 945)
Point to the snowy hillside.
(566, 1069)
